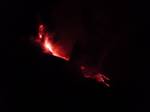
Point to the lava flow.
(93, 73)
(46, 40)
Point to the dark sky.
(100, 30)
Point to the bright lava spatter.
(47, 43)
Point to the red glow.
(92, 73)
(46, 41)
(41, 31)
(48, 45)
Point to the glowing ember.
(89, 72)
(48, 45)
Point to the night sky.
(93, 31)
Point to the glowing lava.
(90, 73)
(46, 41)
(47, 46)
